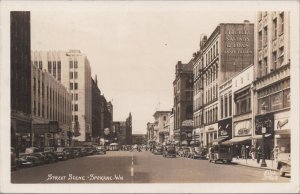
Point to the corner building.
(272, 79)
(73, 70)
(227, 51)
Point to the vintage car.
(100, 150)
(284, 164)
(158, 150)
(169, 151)
(220, 152)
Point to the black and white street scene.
(154, 96)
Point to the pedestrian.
(243, 150)
(275, 153)
(258, 154)
(252, 152)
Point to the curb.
(266, 168)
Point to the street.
(141, 167)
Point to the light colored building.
(150, 132)
(171, 128)
(227, 51)
(161, 118)
(50, 101)
(73, 70)
(272, 79)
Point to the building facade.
(139, 139)
(150, 132)
(183, 100)
(20, 79)
(96, 111)
(160, 120)
(129, 130)
(50, 101)
(272, 79)
(227, 51)
(73, 70)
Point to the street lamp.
(263, 161)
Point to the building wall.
(20, 78)
(161, 119)
(73, 70)
(129, 130)
(96, 122)
(272, 77)
(50, 101)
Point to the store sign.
(282, 124)
(242, 128)
(225, 127)
(267, 121)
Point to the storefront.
(267, 121)
(282, 131)
(20, 133)
(224, 130)
(211, 133)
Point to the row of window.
(73, 86)
(54, 68)
(211, 54)
(211, 94)
(226, 105)
(73, 64)
(263, 35)
(211, 115)
(73, 75)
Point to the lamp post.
(263, 161)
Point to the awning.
(259, 136)
(237, 140)
(219, 139)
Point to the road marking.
(131, 169)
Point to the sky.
(133, 53)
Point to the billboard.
(236, 47)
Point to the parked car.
(76, 152)
(186, 151)
(169, 151)
(49, 157)
(42, 158)
(63, 153)
(90, 150)
(100, 150)
(284, 164)
(29, 161)
(158, 150)
(24, 162)
(13, 159)
(84, 151)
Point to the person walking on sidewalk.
(258, 153)
(252, 152)
(243, 151)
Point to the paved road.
(141, 167)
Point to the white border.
(6, 7)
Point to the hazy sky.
(133, 52)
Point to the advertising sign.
(267, 121)
(242, 128)
(225, 127)
(237, 48)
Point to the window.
(54, 69)
(75, 75)
(40, 65)
(75, 64)
(76, 118)
(71, 86)
(226, 106)
(230, 105)
(260, 40)
(49, 67)
(76, 97)
(76, 86)
(274, 29)
(222, 106)
(71, 64)
(265, 70)
(59, 70)
(274, 59)
(281, 23)
(165, 118)
(281, 56)
(260, 68)
(75, 107)
(265, 36)
(71, 75)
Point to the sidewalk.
(271, 164)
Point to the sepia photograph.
(149, 96)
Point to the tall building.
(129, 130)
(50, 101)
(106, 119)
(183, 101)
(161, 118)
(96, 112)
(73, 70)
(272, 79)
(227, 51)
(150, 132)
(20, 79)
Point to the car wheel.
(281, 172)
